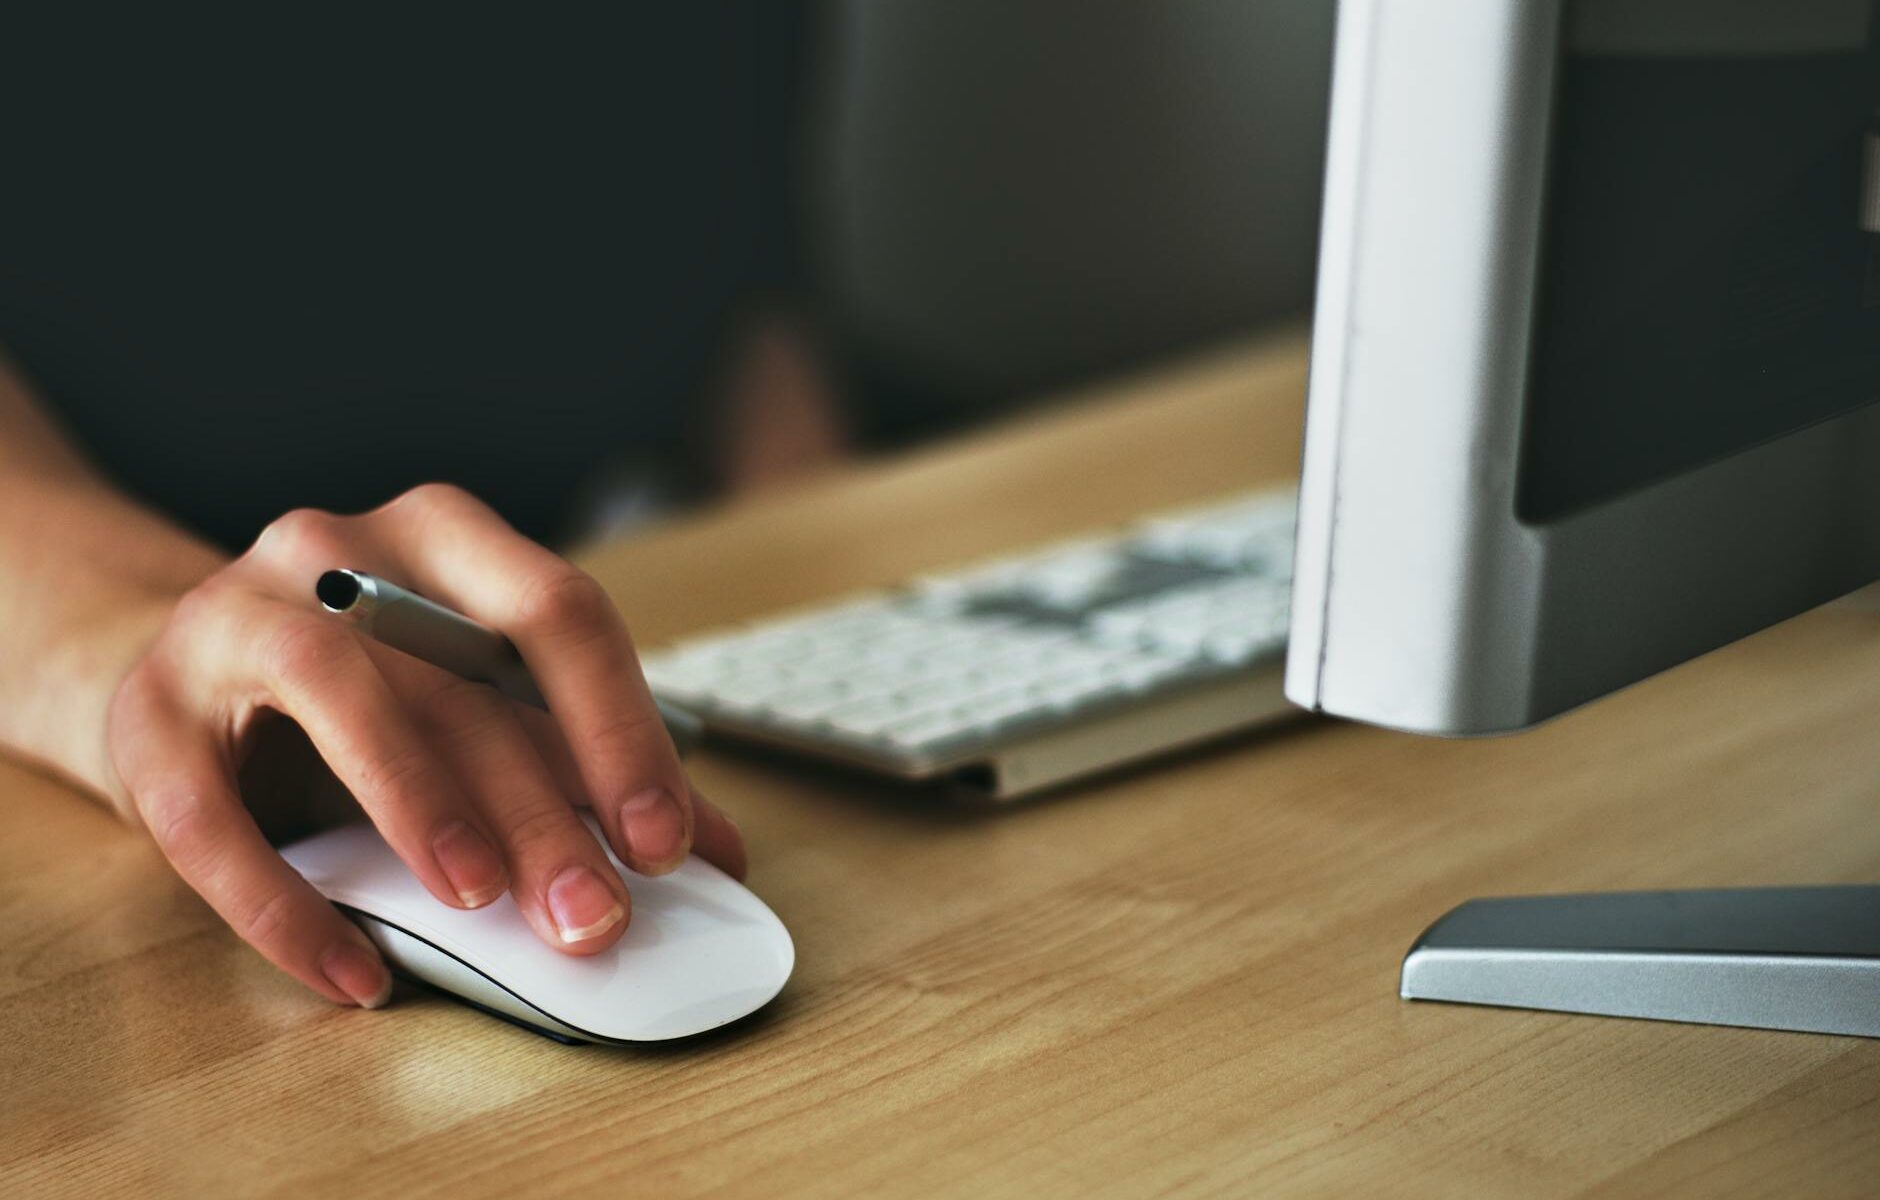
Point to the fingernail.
(471, 864)
(653, 826)
(583, 906)
(359, 973)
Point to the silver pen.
(445, 638)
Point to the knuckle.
(429, 498)
(302, 535)
(173, 815)
(627, 740)
(565, 599)
(467, 708)
(264, 923)
(436, 493)
(305, 648)
(396, 774)
(628, 751)
(542, 830)
(136, 694)
(127, 719)
(199, 607)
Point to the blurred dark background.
(596, 268)
(1006, 199)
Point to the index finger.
(459, 552)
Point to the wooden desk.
(1179, 981)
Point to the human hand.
(476, 794)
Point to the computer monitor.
(1593, 390)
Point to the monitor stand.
(1805, 958)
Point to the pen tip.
(337, 590)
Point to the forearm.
(86, 579)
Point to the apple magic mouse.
(700, 949)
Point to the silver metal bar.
(1804, 958)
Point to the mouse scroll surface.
(700, 950)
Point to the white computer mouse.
(700, 950)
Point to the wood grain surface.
(1178, 981)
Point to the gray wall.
(1015, 194)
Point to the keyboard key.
(1232, 648)
(809, 705)
(927, 730)
(940, 691)
(997, 709)
(865, 718)
(1143, 672)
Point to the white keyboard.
(1023, 672)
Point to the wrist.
(92, 580)
(64, 729)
